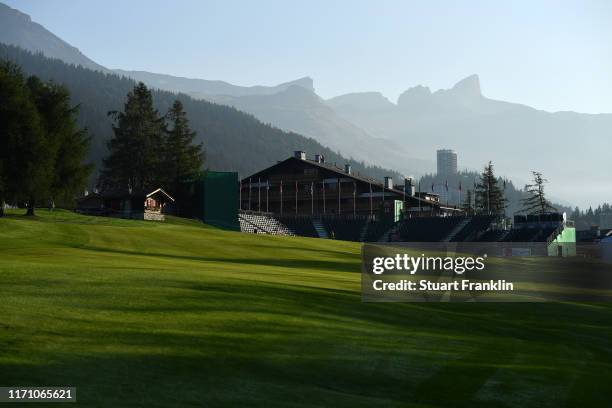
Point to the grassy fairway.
(150, 314)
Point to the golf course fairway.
(136, 313)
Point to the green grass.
(180, 314)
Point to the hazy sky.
(550, 55)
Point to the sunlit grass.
(178, 313)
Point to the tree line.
(149, 150)
(42, 149)
(590, 217)
(486, 193)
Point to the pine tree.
(67, 145)
(536, 202)
(489, 196)
(23, 152)
(136, 149)
(42, 148)
(182, 158)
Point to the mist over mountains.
(233, 140)
(302, 111)
(571, 149)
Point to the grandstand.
(531, 234)
(299, 186)
(315, 199)
(380, 230)
(474, 228)
(301, 226)
(345, 228)
(557, 233)
(492, 235)
(262, 224)
(428, 229)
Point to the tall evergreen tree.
(67, 145)
(488, 193)
(24, 155)
(182, 158)
(136, 149)
(36, 124)
(536, 202)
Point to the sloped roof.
(342, 174)
(160, 191)
(136, 193)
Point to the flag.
(312, 188)
(446, 185)
(459, 186)
(268, 185)
(432, 187)
(504, 184)
(354, 188)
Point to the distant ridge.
(17, 28)
(203, 87)
(234, 140)
(565, 146)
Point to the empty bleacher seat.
(376, 229)
(493, 235)
(344, 228)
(262, 224)
(301, 226)
(474, 228)
(427, 229)
(530, 234)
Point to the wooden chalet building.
(300, 186)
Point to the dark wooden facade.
(298, 186)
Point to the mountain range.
(569, 148)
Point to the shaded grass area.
(181, 314)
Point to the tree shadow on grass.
(274, 364)
(332, 266)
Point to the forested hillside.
(468, 179)
(234, 141)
